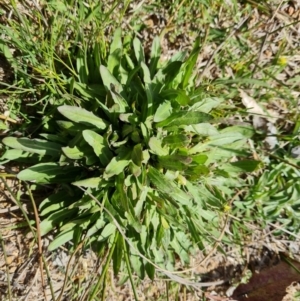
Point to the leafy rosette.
(142, 145)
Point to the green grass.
(55, 52)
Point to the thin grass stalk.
(104, 289)
(129, 269)
(39, 241)
(105, 268)
(7, 269)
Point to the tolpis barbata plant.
(144, 146)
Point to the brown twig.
(39, 240)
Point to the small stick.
(39, 240)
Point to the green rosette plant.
(142, 145)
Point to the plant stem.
(7, 269)
(129, 270)
(105, 268)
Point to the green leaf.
(241, 166)
(178, 140)
(55, 219)
(3, 126)
(167, 187)
(155, 55)
(225, 138)
(182, 98)
(50, 173)
(199, 159)
(150, 270)
(58, 201)
(133, 221)
(73, 153)
(138, 50)
(36, 146)
(82, 116)
(203, 129)
(174, 162)
(115, 88)
(137, 262)
(163, 111)
(71, 127)
(205, 105)
(100, 223)
(246, 131)
(220, 141)
(108, 230)
(140, 203)
(184, 118)
(156, 147)
(115, 53)
(89, 183)
(82, 67)
(190, 64)
(195, 172)
(120, 192)
(145, 132)
(100, 146)
(5, 50)
(146, 72)
(137, 155)
(54, 138)
(118, 254)
(19, 156)
(171, 71)
(61, 239)
(116, 166)
(179, 250)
